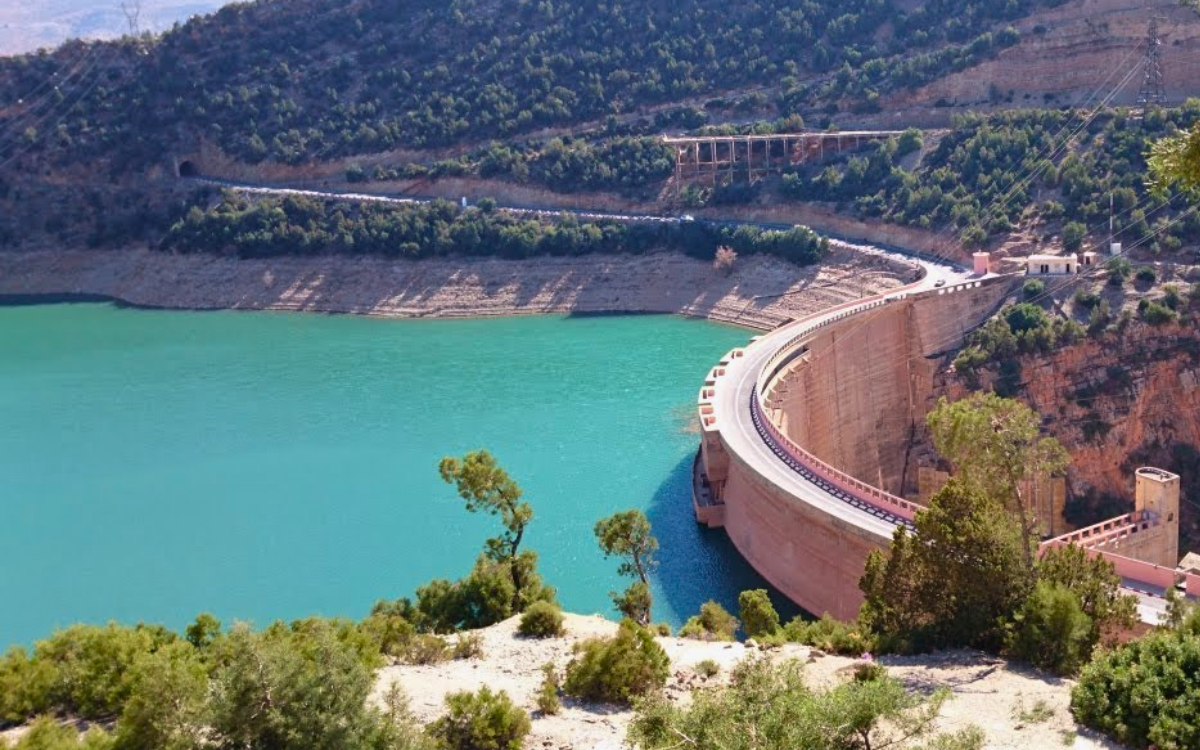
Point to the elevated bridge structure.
(718, 158)
(804, 436)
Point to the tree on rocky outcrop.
(995, 446)
(628, 535)
(487, 488)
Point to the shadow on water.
(697, 563)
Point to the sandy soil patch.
(987, 692)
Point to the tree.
(487, 488)
(1095, 582)
(165, 710)
(1051, 630)
(953, 580)
(628, 535)
(1073, 235)
(759, 617)
(203, 631)
(995, 446)
(278, 690)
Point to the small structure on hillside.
(1050, 265)
(983, 263)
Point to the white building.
(1050, 265)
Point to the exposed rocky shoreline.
(761, 292)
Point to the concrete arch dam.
(805, 432)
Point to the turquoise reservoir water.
(262, 466)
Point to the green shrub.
(48, 734)
(708, 668)
(1033, 288)
(468, 646)
(1145, 693)
(1072, 236)
(85, 670)
(1146, 274)
(1119, 270)
(868, 670)
(767, 705)
(1156, 313)
(713, 623)
(1087, 298)
(541, 620)
(547, 696)
(427, 648)
(759, 618)
(165, 710)
(663, 629)
(481, 721)
(391, 633)
(1051, 631)
(831, 635)
(617, 669)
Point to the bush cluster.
(541, 620)
(617, 669)
(713, 623)
(299, 225)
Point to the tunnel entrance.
(188, 169)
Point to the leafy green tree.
(1094, 581)
(166, 706)
(1073, 235)
(277, 690)
(995, 446)
(487, 488)
(627, 535)
(481, 721)
(1050, 630)
(758, 615)
(953, 580)
(203, 631)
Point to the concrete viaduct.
(803, 453)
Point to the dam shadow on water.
(697, 563)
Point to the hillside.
(563, 105)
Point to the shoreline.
(760, 293)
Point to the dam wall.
(841, 395)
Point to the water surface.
(260, 466)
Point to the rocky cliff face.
(1116, 403)
(1068, 53)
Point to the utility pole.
(1153, 92)
(133, 12)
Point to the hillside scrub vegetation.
(767, 704)
(301, 225)
(315, 79)
(993, 173)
